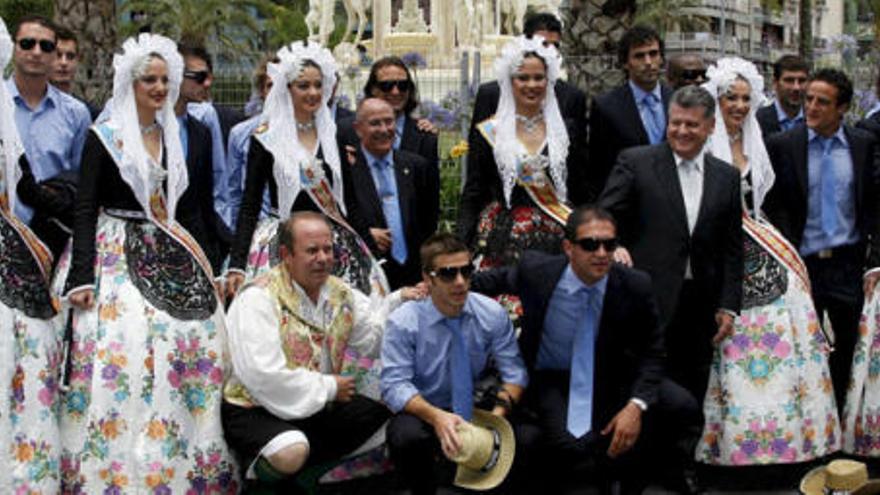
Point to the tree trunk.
(94, 22)
(806, 31)
(589, 42)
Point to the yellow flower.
(153, 480)
(110, 429)
(120, 480)
(459, 150)
(156, 430)
(24, 452)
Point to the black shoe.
(685, 483)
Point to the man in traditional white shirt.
(288, 402)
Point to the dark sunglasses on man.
(450, 273)
(28, 44)
(693, 75)
(403, 85)
(591, 244)
(199, 76)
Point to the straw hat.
(486, 453)
(843, 475)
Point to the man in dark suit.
(789, 81)
(572, 101)
(593, 345)
(390, 80)
(826, 201)
(392, 197)
(679, 211)
(633, 114)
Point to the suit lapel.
(363, 179)
(629, 108)
(403, 173)
(799, 159)
(664, 167)
(859, 157)
(711, 186)
(409, 139)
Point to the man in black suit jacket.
(679, 212)
(196, 205)
(629, 114)
(626, 361)
(416, 198)
(790, 74)
(572, 101)
(842, 250)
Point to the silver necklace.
(149, 129)
(735, 137)
(305, 126)
(531, 124)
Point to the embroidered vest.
(303, 341)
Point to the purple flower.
(414, 60)
(199, 484)
(741, 341)
(770, 340)
(205, 365)
(110, 372)
(779, 446)
(178, 366)
(162, 490)
(749, 447)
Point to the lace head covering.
(506, 144)
(721, 77)
(12, 149)
(121, 116)
(281, 138)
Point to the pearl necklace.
(531, 124)
(305, 126)
(149, 129)
(735, 137)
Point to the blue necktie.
(829, 197)
(580, 390)
(391, 209)
(655, 124)
(460, 372)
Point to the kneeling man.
(434, 351)
(286, 404)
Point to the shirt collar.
(372, 159)
(571, 283)
(639, 93)
(51, 96)
(698, 160)
(398, 124)
(435, 316)
(839, 136)
(322, 296)
(783, 117)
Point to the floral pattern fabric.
(770, 398)
(861, 414)
(142, 412)
(24, 286)
(30, 358)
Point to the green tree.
(94, 22)
(12, 10)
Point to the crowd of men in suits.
(632, 143)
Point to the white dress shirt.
(690, 177)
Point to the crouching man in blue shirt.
(433, 353)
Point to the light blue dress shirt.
(786, 123)
(815, 239)
(417, 347)
(207, 114)
(398, 130)
(53, 135)
(645, 112)
(236, 167)
(563, 318)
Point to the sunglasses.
(199, 76)
(403, 85)
(27, 44)
(693, 74)
(591, 244)
(450, 273)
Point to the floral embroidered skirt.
(770, 399)
(142, 413)
(861, 414)
(353, 263)
(30, 353)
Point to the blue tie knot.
(828, 144)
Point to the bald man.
(392, 196)
(685, 69)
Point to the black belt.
(846, 251)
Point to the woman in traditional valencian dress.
(30, 352)
(147, 360)
(294, 151)
(770, 399)
(514, 196)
